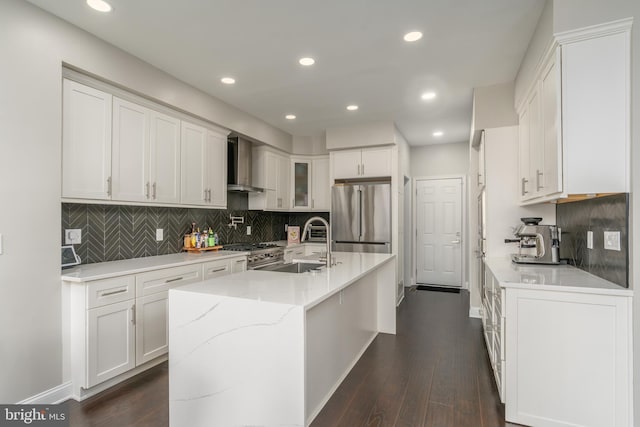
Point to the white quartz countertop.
(304, 289)
(105, 270)
(551, 277)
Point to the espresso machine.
(537, 244)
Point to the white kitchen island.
(268, 348)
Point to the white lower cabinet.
(110, 341)
(559, 358)
(119, 325)
(152, 337)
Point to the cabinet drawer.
(109, 291)
(216, 269)
(167, 278)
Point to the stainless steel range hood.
(239, 166)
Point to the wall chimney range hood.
(239, 166)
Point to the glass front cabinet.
(301, 183)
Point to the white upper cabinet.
(271, 171)
(130, 168)
(203, 166)
(164, 172)
(482, 175)
(320, 184)
(575, 122)
(365, 163)
(146, 154)
(86, 142)
(301, 178)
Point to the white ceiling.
(360, 55)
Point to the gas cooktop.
(249, 247)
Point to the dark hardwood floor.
(434, 372)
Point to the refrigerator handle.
(360, 212)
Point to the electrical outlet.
(248, 230)
(589, 239)
(159, 234)
(612, 240)
(72, 236)
(286, 228)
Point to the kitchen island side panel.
(234, 361)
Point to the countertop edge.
(91, 278)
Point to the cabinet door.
(238, 265)
(376, 162)
(216, 169)
(481, 162)
(193, 144)
(524, 185)
(346, 164)
(152, 336)
(164, 158)
(301, 184)
(86, 142)
(552, 157)
(130, 168)
(320, 184)
(536, 145)
(111, 341)
(282, 189)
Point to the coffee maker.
(537, 244)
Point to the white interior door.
(439, 231)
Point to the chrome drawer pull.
(220, 269)
(119, 291)
(175, 279)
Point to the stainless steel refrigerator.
(361, 217)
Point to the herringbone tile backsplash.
(111, 233)
(610, 213)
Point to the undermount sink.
(296, 267)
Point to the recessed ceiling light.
(438, 133)
(99, 5)
(228, 80)
(290, 116)
(413, 36)
(427, 96)
(307, 61)
(352, 107)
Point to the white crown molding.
(599, 30)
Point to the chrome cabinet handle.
(209, 195)
(146, 191)
(109, 187)
(313, 203)
(119, 291)
(524, 182)
(175, 279)
(479, 180)
(363, 169)
(204, 197)
(133, 314)
(538, 175)
(154, 191)
(455, 242)
(217, 270)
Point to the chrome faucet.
(305, 232)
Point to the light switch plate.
(248, 230)
(612, 240)
(589, 239)
(159, 234)
(72, 236)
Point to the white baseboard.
(52, 396)
(475, 312)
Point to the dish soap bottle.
(217, 239)
(212, 238)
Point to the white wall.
(540, 41)
(309, 145)
(493, 106)
(34, 45)
(371, 133)
(440, 159)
